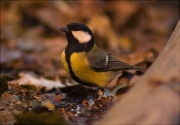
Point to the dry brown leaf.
(28, 79)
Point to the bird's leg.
(99, 93)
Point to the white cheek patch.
(82, 37)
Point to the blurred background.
(134, 31)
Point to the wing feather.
(100, 63)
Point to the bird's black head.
(78, 32)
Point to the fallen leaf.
(28, 79)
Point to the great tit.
(86, 63)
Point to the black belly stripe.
(68, 53)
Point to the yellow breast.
(83, 71)
(64, 63)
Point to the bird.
(85, 62)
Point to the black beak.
(64, 29)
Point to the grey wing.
(98, 60)
(115, 64)
(110, 63)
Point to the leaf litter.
(41, 91)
